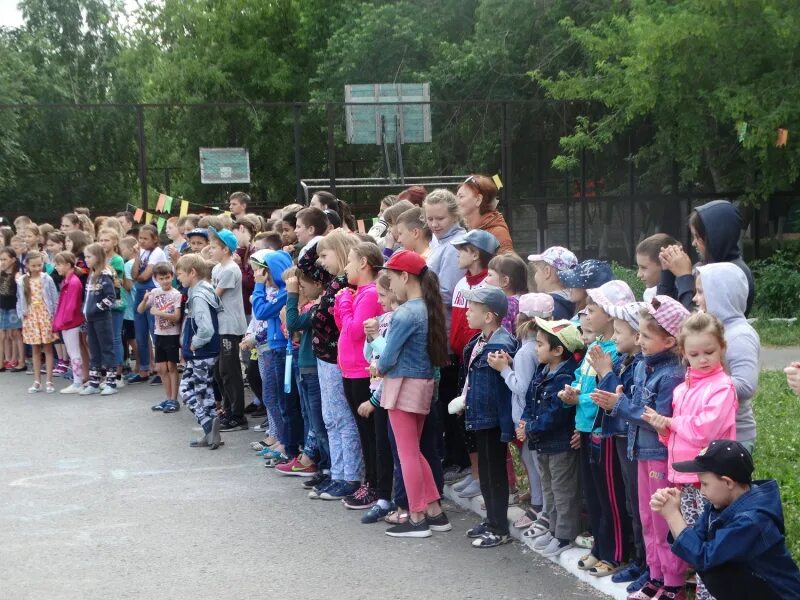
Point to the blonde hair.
(97, 251)
(113, 234)
(526, 326)
(86, 225)
(26, 279)
(340, 243)
(196, 263)
(701, 322)
(371, 253)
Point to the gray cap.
(493, 297)
(482, 240)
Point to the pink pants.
(663, 563)
(417, 476)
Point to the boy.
(548, 265)
(164, 303)
(197, 239)
(738, 544)
(648, 264)
(245, 231)
(227, 281)
(586, 275)
(200, 344)
(237, 204)
(175, 248)
(488, 407)
(548, 425)
(127, 249)
(413, 233)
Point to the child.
(510, 274)
(175, 248)
(200, 344)
(488, 410)
(37, 298)
(600, 471)
(415, 344)
(589, 274)
(197, 240)
(648, 264)
(76, 242)
(164, 303)
(655, 379)
(351, 309)
(245, 231)
(703, 409)
(11, 349)
(69, 317)
(97, 304)
(548, 265)
(413, 233)
(737, 545)
(226, 277)
(109, 240)
(127, 250)
(519, 380)
(548, 426)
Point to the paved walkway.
(777, 357)
(100, 498)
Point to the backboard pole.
(505, 164)
(297, 157)
(329, 109)
(385, 149)
(140, 141)
(398, 146)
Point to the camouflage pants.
(197, 391)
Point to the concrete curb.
(567, 560)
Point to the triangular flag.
(160, 223)
(160, 203)
(184, 208)
(148, 217)
(361, 228)
(167, 204)
(375, 220)
(137, 216)
(783, 138)
(227, 213)
(497, 182)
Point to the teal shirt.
(585, 383)
(297, 321)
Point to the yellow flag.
(184, 208)
(148, 217)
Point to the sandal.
(491, 540)
(603, 569)
(539, 528)
(36, 387)
(587, 561)
(396, 517)
(49, 387)
(526, 520)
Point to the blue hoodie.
(268, 302)
(749, 533)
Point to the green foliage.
(777, 286)
(778, 333)
(629, 276)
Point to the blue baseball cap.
(198, 231)
(587, 275)
(227, 238)
(493, 297)
(482, 240)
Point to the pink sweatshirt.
(69, 313)
(703, 409)
(350, 311)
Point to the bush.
(629, 276)
(777, 286)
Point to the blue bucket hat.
(482, 240)
(587, 275)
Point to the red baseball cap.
(407, 261)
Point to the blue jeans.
(347, 462)
(312, 408)
(289, 405)
(145, 325)
(117, 316)
(268, 397)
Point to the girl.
(32, 236)
(37, 298)
(109, 240)
(177, 241)
(11, 348)
(415, 345)
(343, 435)
(510, 273)
(350, 310)
(391, 215)
(326, 200)
(703, 409)
(413, 233)
(20, 248)
(76, 242)
(70, 222)
(69, 317)
(98, 302)
(85, 224)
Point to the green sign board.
(224, 165)
(381, 117)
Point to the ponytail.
(437, 328)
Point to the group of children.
(390, 365)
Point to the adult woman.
(477, 202)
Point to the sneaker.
(555, 547)
(234, 424)
(542, 542)
(363, 498)
(49, 387)
(639, 583)
(136, 378)
(648, 592)
(316, 492)
(458, 487)
(171, 406)
(121, 383)
(90, 390)
(455, 474)
(471, 491)
(156, 380)
(440, 523)
(376, 513)
(339, 491)
(109, 390)
(286, 466)
(410, 529)
(259, 412)
(35, 388)
(478, 530)
(491, 540)
(160, 406)
(629, 572)
(72, 388)
(60, 368)
(263, 426)
(314, 480)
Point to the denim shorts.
(9, 319)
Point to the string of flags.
(781, 134)
(164, 206)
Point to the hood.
(278, 261)
(764, 498)
(455, 231)
(492, 219)
(205, 291)
(725, 289)
(723, 225)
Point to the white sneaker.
(543, 541)
(90, 390)
(120, 383)
(109, 390)
(471, 491)
(72, 388)
(458, 487)
(554, 548)
(103, 386)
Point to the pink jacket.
(350, 311)
(703, 409)
(69, 313)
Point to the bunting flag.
(782, 138)
(497, 182)
(148, 217)
(375, 220)
(137, 215)
(227, 213)
(160, 203)
(184, 208)
(160, 223)
(167, 204)
(361, 228)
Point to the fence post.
(583, 201)
(505, 164)
(140, 140)
(298, 171)
(631, 203)
(331, 147)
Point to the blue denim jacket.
(406, 351)
(621, 374)
(654, 380)
(488, 397)
(549, 422)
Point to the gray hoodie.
(725, 288)
(443, 260)
(201, 300)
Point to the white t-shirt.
(168, 302)
(150, 258)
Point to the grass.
(778, 333)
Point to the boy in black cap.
(737, 545)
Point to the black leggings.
(228, 375)
(357, 391)
(455, 449)
(494, 478)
